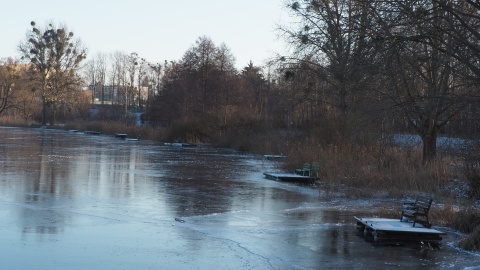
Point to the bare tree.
(101, 74)
(9, 76)
(254, 88)
(460, 20)
(330, 38)
(119, 77)
(91, 73)
(155, 76)
(425, 83)
(131, 69)
(201, 86)
(142, 80)
(55, 55)
(114, 62)
(224, 87)
(427, 52)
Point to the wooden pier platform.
(273, 157)
(290, 177)
(89, 132)
(386, 230)
(120, 135)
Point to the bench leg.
(403, 218)
(425, 223)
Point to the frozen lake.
(74, 201)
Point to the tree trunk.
(53, 116)
(103, 94)
(44, 111)
(429, 139)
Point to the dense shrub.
(471, 241)
(471, 169)
(191, 131)
(466, 220)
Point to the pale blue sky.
(157, 30)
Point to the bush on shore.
(471, 241)
(467, 221)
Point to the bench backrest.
(422, 202)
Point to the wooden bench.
(310, 170)
(417, 211)
(306, 167)
(314, 170)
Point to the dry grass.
(471, 241)
(441, 215)
(373, 167)
(468, 221)
(16, 122)
(365, 167)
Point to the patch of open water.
(72, 201)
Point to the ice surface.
(77, 201)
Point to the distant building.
(115, 95)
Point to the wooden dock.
(273, 157)
(120, 135)
(290, 177)
(89, 132)
(394, 231)
(179, 144)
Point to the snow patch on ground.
(459, 188)
(413, 140)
